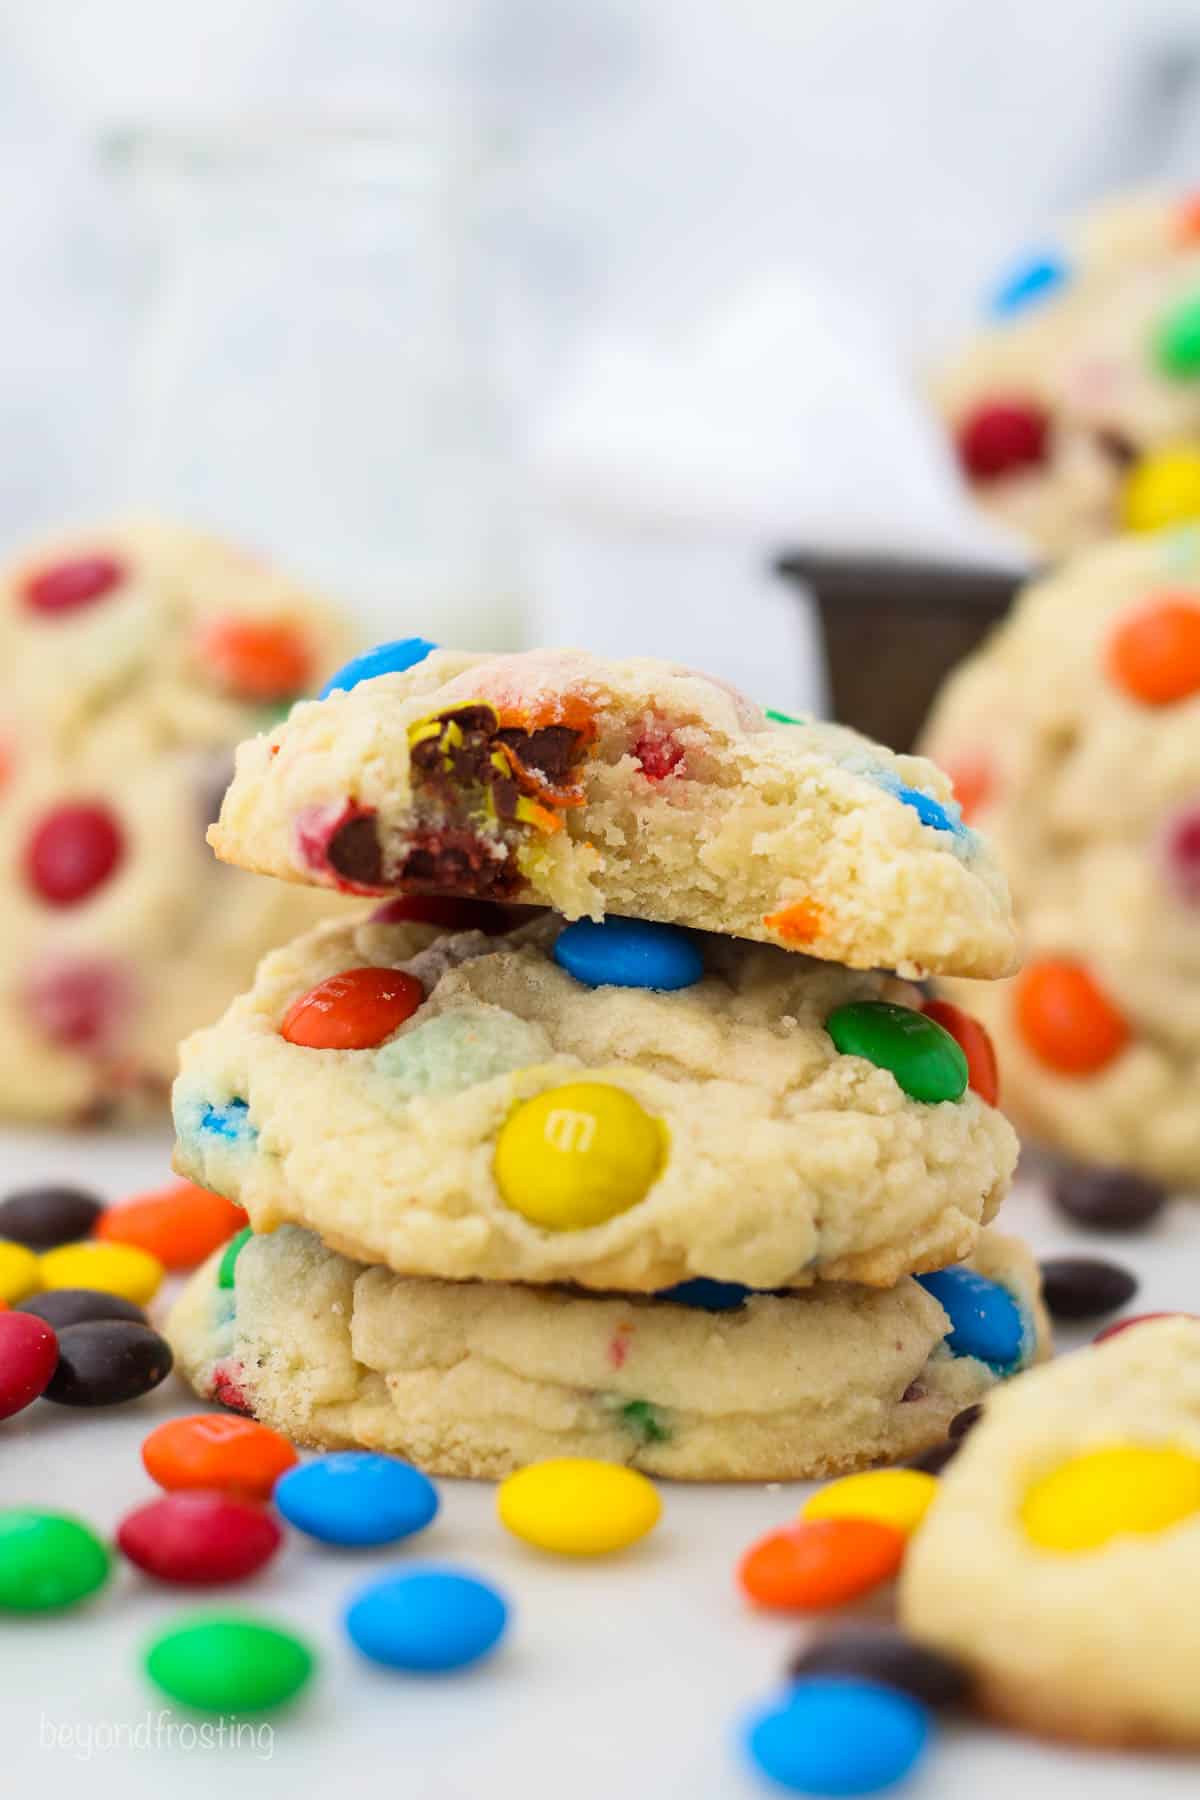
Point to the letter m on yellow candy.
(567, 1130)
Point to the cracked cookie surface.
(728, 1135)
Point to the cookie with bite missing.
(634, 788)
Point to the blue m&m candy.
(931, 812)
(985, 1320)
(356, 1497)
(633, 953)
(707, 1295)
(429, 1622)
(384, 659)
(1029, 283)
(837, 1735)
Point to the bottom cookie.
(477, 1379)
(1061, 1557)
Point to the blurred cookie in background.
(1073, 740)
(1075, 410)
(134, 657)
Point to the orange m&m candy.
(973, 781)
(1066, 1019)
(258, 659)
(800, 923)
(820, 1563)
(1154, 653)
(216, 1451)
(180, 1224)
(352, 1011)
(983, 1072)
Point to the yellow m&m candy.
(897, 1497)
(578, 1155)
(19, 1274)
(113, 1268)
(578, 1507)
(1126, 1488)
(1162, 489)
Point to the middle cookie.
(490, 1104)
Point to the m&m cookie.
(636, 789)
(637, 1111)
(1075, 410)
(485, 1378)
(1058, 1560)
(1084, 709)
(135, 657)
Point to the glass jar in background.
(315, 368)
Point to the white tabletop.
(624, 1678)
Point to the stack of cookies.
(619, 1128)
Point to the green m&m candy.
(47, 1561)
(222, 1664)
(233, 1249)
(1177, 340)
(925, 1060)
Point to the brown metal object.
(894, 627)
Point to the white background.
(669, 163)
(675, 166)
(624, 1677)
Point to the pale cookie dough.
(1091, 797)
(477, 1380)
(784, 1162)
(1061, 402)
(632, 787)
(1100, 1644)
(125, 652)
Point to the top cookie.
(1076, 409)
(631, 787)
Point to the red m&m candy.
(72, 851)
(352, 1011)
(1001, 436)
(66, 586)
(1119, 1325)
(28, 1358)
(972, 1039)
(453, 912)
(199, 1539)
(1181, 851)
(81, 1003)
